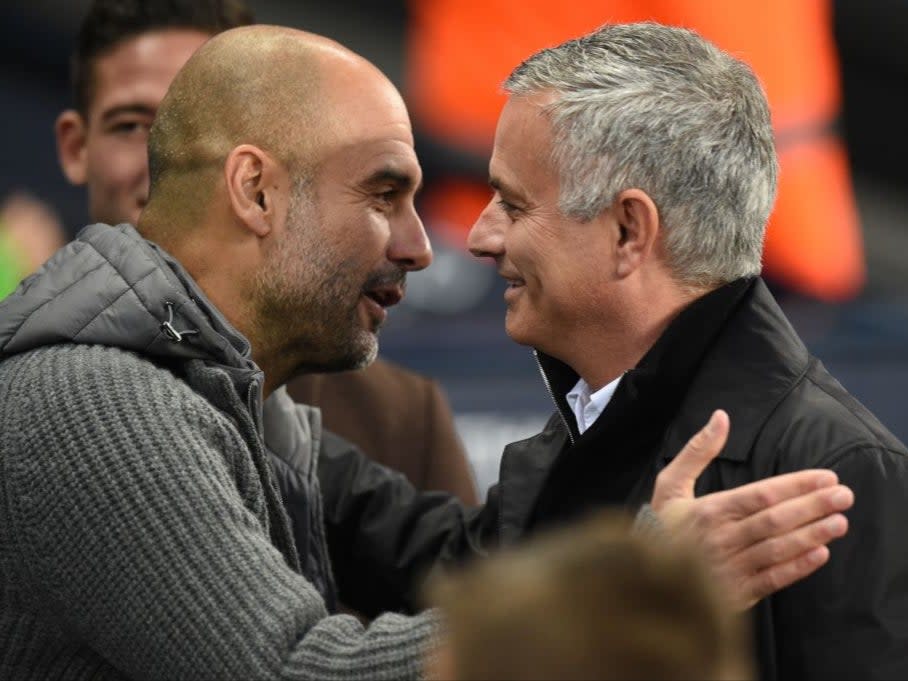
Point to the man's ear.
(252, 184)
(638, 222)
(71, 131)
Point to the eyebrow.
(499, 186)
(140, 109)
(400, 178)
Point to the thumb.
(677, 479)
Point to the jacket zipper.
(548, 386)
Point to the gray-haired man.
(633, 173)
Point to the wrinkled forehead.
(525, 124)
(363, 106)
(363, 122)
(522, 153)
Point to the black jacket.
(732, 349)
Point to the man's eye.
(129, 127)
(509, 208)
(387, 196)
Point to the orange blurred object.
(460, 51)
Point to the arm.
(384, 536)
(850, 619)
(137, 518)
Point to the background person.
(30, 232)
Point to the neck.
(226, 284)
(277, 370)
(610, 349)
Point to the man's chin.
(368, 355)
(359, 354)
(518, 332)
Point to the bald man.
(142, 532)
(142, 528)
(127, 54)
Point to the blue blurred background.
(451, 327)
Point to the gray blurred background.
(451, 325)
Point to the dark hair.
(110, 22)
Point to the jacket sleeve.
(135, 519)
(850, 619)
(384, 536)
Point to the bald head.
(272, 87)
(283, 178)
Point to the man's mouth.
(385, 296)
(515, 286)
(512, 280)
(382, 290)
(386, 287)
(377, 300)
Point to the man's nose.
(486, 237)
(410, 248)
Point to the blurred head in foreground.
(592, 602)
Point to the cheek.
(363, 237)
(530, 255)
(553, 284)
(116, 167)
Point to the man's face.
(351, 235)
(106, 150)
(557, 268)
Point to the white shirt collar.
(587, 407)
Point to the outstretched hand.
(757, 538)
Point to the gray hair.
(662, 110)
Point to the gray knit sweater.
(141, 533)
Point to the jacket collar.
(655, 387)
(525, 465)
(732, 348)
(109, 286)
(755, 361)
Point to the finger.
(678, 478)
(783, 548)
(767, 582)
(784, 517)
(752, 498)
